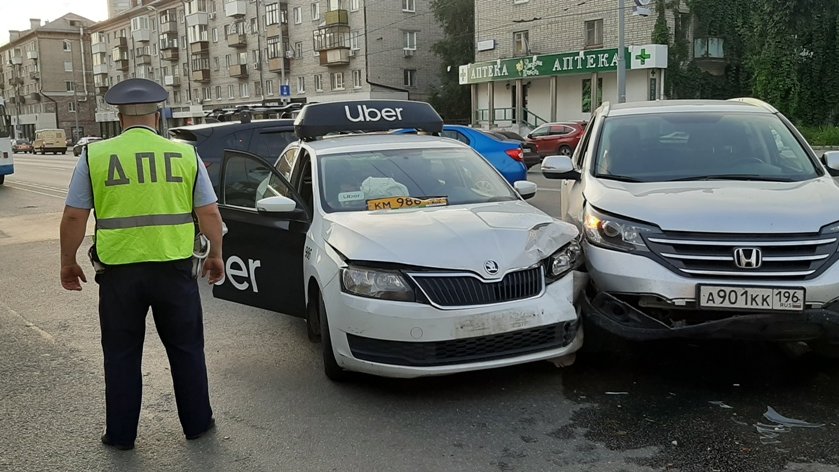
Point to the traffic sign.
(285, 90)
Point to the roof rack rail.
(755, 102)
(319, 119)
(234, 113)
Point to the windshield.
(360, 181)
(5, 122)
(700, 146)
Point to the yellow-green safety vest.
(143, 188)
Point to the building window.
(521, 43)
(586, 104)
(318, 83)
(269, 87)
(298, 50)
(67, 45)
(71, 107)
(353, 5)
(244, 90)
(215, 63)
(272, 14)
(218, 92)
(338, 81)
(177, 96)
(297, 14)
(254, 28)
(515, 2)
(356, 78)
(301, 85)
(274, 47)
(410, 78)
(315, 11)
(594, 33)
(68, 66)
(409, 5)
(70, 86)
(206, 93)
(215, 35)
(257, 88)
(354, 40)
(410, 40)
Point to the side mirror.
(529, 136)
(831, 160)
(525, 188)
(559, 167)
(278, 204)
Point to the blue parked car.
(505, 155)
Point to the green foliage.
(457, 18)
(784, 52)
(820, 136)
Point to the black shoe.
(202, 433)
(106, 440)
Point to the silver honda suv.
(704, 219)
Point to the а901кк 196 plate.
(751, 298)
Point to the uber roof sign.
(320, 119)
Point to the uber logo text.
(373, 114)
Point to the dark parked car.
(21, 145)
(531, 157)
(557, 138)
(263, 138)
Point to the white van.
(50, 140)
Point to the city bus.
(6, 159)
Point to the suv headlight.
(375, 283)
(566, 259)
(615, 233)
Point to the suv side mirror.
(277, 204)
(559, 167)
(525, 188)
(831, 160)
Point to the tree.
(457, 18)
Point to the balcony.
(121, 42)
(337, 17)
(199, 18)
(99, 48)
(335, 57)
(34, 75)
(121, 64)
(709, 55)
(276, 64)
(142, 59)
(16, 60)
(235, 7)
(15, 81)
(332, 37)
(101, 86)
(170, 55)
(199, 47)
(169, 27)
(201, 75)
(141, 35)
(172, 80)
(238, 70)
(100, 69)
(32, 54)
(34, 96)
(237, 40)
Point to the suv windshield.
(701, 146)
(349, 181)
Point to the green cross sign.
(643, 56)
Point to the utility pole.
(621, 53)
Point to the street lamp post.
(163, 127)
(621, 53)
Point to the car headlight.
(375, 283)
(566, 259)
(615, 233)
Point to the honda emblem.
(747, 257)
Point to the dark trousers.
(125, 295)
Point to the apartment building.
(537, 60)
(213, 54)
(45, 77)
(115, 7)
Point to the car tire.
(313, 316)
(565, 150)
(333, 371)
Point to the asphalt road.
(664, 406)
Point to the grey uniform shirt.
(80, 194)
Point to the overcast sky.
(15, 14)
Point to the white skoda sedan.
(407, 255)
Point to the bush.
(822, 136)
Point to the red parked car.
(557, 138)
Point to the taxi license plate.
(751, 298)
(395, 203)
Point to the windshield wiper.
(619, 178)
(752, 177)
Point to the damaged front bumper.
(626, 321)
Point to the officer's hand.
(70, 275)
(213, 269)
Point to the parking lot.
(664, 406)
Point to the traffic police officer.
(143, 190)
